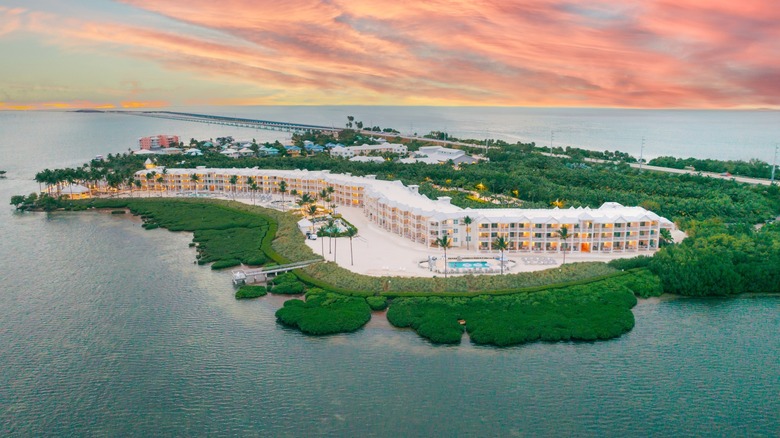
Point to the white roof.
(74, 188)
(394, 194)
(303, 223)
(143, 152)
(365, 159)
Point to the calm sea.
(107, 329)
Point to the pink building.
(158, 141)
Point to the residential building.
(158, 141)
(439, 155)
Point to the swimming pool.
(468, 265)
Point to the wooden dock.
(261, 275)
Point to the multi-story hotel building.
(158, 141)
(403, 211)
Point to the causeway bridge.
(232, 121)
(261, 275)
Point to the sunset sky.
(153, 53)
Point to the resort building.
(158, 141)
(438, 154)
(341, 152)
(403, 211)
(351, 151)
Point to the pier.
(261, 275)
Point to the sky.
(709, 54)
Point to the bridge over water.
(232, 121)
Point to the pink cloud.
(654, 53)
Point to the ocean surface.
(110, 330)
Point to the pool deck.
(379, 253)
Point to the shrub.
(249, 291)
(289, 288)
(118, 212)
(287, 277)
(222, 264)
(377, 303)
(599, 310)
(634, 262)
(256, 261)
(324, 314)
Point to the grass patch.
(118, 212)
(247, 291)
(225, 236)
(222, 264)
(325, 314)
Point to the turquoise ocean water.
(108, 329)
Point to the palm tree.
(331, 190)
(249, 183)
(305, 199)
(195, 178)
(254, 187)
(150, 179)
(501, 244)
(312, 210)
(351, 232)
(334, 234)
(329, 229)
(161, 180)
(665, 238)
(467, 222)
(321, 235)
(563, 234)
(282, 190)
(444, 242)
(233, 181)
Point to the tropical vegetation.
(725, 253)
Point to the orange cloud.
(145, 104)
(71, 105)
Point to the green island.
(733, 244)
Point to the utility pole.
(774, 166)
(552, 134)
(642, 153)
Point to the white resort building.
(403, 211)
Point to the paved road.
(742, 179)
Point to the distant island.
(733, 243)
